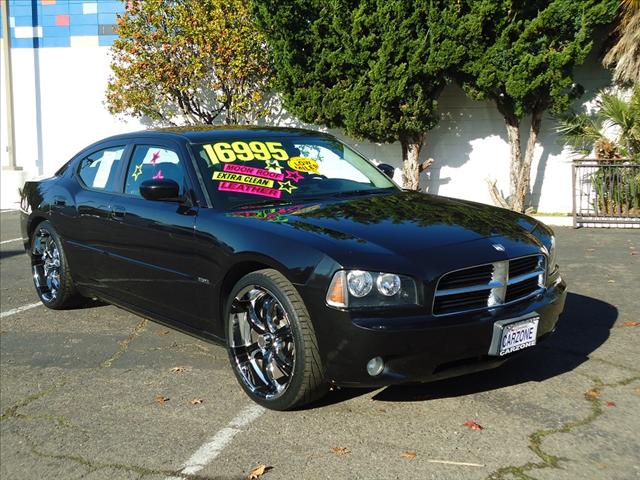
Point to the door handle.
(118, 212)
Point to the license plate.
(518, 335)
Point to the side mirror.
(387, 169)
(164, 189)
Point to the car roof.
(208, 133)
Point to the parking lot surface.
(99, 393)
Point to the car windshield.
(246, 171)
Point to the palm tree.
(624, 56)
(611, 132)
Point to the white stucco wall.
(58, 102)
(59, 94)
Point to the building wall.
(60, 74)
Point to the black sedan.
(296, 252)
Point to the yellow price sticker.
(228, 152)
(304, 164)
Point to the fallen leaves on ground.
(339, 450)
(592, 393)
(610, 404)
(591, 249)
(178, 369)
(196, 401)
(631, 323)
(164, 332)
(257, 472)
(473, 425)
(161, 399)
(611, 281)
(408, 454)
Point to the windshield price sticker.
(256, 172)
(244, 151)
(250, 189)
(269, 179)
(303, 164)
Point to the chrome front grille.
(490, 285)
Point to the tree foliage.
(191, 61)
(521, 55)
(373, 67)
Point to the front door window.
(151, 162)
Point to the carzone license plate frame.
(502, 329)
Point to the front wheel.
(271, 342)
(51, 273)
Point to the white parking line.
(9, 241)
(13, 311)
(214, 446)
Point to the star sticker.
(273, 166)
(158, 176)
(287, 186)
(155, 158)
(137, 172)
(295, 176)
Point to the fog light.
(375, 366)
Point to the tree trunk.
(411, 146)
(523, 181)
(513, 135)
(519, 168)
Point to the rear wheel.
(51, 274)
(271, 341)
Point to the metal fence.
(606, 193)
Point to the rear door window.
(99, 170)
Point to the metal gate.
(606, 193)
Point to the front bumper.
(419, 348)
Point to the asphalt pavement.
(99, 393)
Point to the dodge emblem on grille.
(498, 247)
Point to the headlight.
(388, 284)
(359, 288)
(359, 283)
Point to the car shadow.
(4, 254)
(86, 302)
(583, 327)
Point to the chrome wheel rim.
(261, 342)
(45, 260)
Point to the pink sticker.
(158, 176)
(155, 158)
(250, 189)
(294, 175)
(256, 172)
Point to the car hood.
(402, 223)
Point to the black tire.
(50, 269)
(297, 353)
